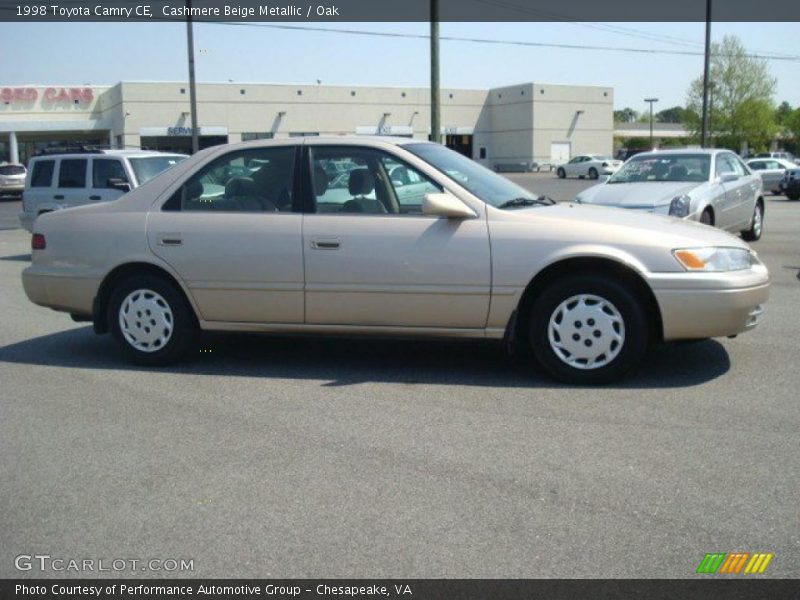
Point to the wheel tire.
(757, 227)
(793, 196)
(626, 316)
(593, 173)
(162, 296)
(707, 218)
(561, 173)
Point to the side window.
(104, 169)
(724, 165)
(256, 180)
(410, 186)
(72, 173)
(42, 175)
(738, 165)
(758, 165)
(350, 179)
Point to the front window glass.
(664, 167)
(105, 169)
(258, 180)
(42, 175)
(351, 179)
(145, 168)
(487, 185)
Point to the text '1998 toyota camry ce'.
(392, 237)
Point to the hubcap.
(757, 221)
(145, 320)
(586, 331)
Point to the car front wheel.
(561, 173)
(151, 320)
(588, 329)
(754, 233)
(593, 173)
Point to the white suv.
(57, 181)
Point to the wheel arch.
(594, 265)
(120, 272)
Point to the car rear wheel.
(151, 320)
(561, 173)
(588, 329)
(593, 173)
(757, 225)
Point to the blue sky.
(76, 53)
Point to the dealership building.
(504, 126)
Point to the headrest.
(240, 186)
(194, 189)
(321, 181)
(361, 182)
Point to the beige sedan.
(391, 237)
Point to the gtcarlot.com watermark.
(45, 562)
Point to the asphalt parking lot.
(309, 457)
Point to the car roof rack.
(76, 149)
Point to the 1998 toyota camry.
(392, 237)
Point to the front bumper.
(700, 305)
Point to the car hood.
(606, 224)
(644, 194)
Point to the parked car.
(57, 181)
(782, 155)
(589, 165)
(790, 184)
(771, 171)
(12, 179)
(710, 186)
(472, 255)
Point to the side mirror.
(115, 183)
(728, 177)
(445, 205)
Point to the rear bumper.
(716, 305)
(60, 291)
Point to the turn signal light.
(689, 259)
(38, 242)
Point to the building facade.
(511, 125)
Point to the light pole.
(651, 101)
(706, 67)
(436, 126)
(192, 86)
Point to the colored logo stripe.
(711, 562)
(758, 563)
(734, 562)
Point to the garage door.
(559, 152)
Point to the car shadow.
(17, 257)
(351, 361)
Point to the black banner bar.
(32, 11)
(412, 589)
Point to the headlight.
(714, 260)
(679, 207)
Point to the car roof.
(107, 152)
(671, 151)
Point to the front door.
(233, 234)
(373, 259)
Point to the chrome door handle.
(326, 243)
(170, 239)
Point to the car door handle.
(58, 197)
(170, 239)
(326, 243)
(95, 198)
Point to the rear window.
(12, 170)
(42, 175)
(72, 173)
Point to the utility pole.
(192, 87)
(436, 124)
(651, 101)
(706, 66)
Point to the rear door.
(233, 232)
(73, 182)
(40, 189)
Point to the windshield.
(485, 184)
(148, 167)
(666, 167)
(12, 170)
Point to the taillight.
(38, 242)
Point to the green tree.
(626, 115)
(792, 124)
(676, 114)
(741, 107)
(782, 113)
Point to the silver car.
(710, 186)
(771, 171)
(12, 179)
